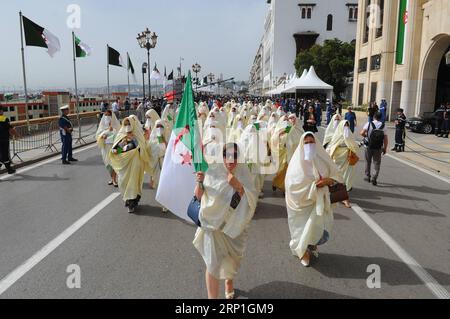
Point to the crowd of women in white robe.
(244, 144)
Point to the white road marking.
(39, 164)
(437, 290)
(20, 271)
(423, 170)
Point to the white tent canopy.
(309, 81)
(280, 88)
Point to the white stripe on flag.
(177, 182)
(52, 42)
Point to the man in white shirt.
(376, 145)
(116, 108)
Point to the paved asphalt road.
(150, 254)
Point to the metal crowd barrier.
(43, 134)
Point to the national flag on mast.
(114, 57)
(130, 64)
(165, 78)
(38, 36)
(155, 74)
(184, 157)
(170, 77)
(82, 50)
(402, 31)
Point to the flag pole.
(107, 70)
(77, 109)
(24, 72)
(128, 73)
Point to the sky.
(221, 35)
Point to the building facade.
(295, 25)
(400, 54)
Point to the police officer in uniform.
(400, 131)
(446, 122)
(66, 129)
(439, 115)
(6, 130)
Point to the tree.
(333, 61)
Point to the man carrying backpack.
(376, 143)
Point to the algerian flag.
(155, 74)
(130, 65)
(184, 157)
(114, 57)
(37, 36)
(402, 31)
(82, 49)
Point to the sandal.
(230, 295)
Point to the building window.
(12, 118)
(12, 108)
(373, 91)
(381, 17)
(360, 94)
(352, 13)
(330, 22)
(366, 20)
(375, 62)
(306, 10)
(362, 66)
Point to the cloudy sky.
(222, 36)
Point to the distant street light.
(197, 69)
(144, 70)
(148, 40)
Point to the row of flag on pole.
(37, 36)
(184, 155)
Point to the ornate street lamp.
(144, 70)
(197, 69)
(148, 40)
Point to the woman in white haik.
(157, 146)
(342, 143)
(335, 120)
(310, 214)
(108, 128)
(222, 237)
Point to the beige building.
(401, 54)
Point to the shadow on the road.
(287, 290)
(393, 273)
(156, 212)
(374, 208)
(373, 194)
(29, 178)
(91, 161)
(419, 189)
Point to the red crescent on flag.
(406, 17)
(183, 132)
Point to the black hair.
(231, 145)
(377, 116)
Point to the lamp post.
(144, 70)
(197, 69)
(211, 79)
(148, 40)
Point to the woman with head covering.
(228, 202)
(130, 159)
(341, 146)
(108, 128)
(273, 120)
(157, 148)
(284, 142)
(310, 213)
(203, 112)
(150, 119)
(329, 133)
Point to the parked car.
(423, 124)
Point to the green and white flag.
(184, 157)
(38, 36)
(402, 31)
(130, 65)
(82, 49)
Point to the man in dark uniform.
(6, 130)
(446, 122)
(400, 131)
(439, 115)
(66, 129)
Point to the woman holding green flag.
(228, 201)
